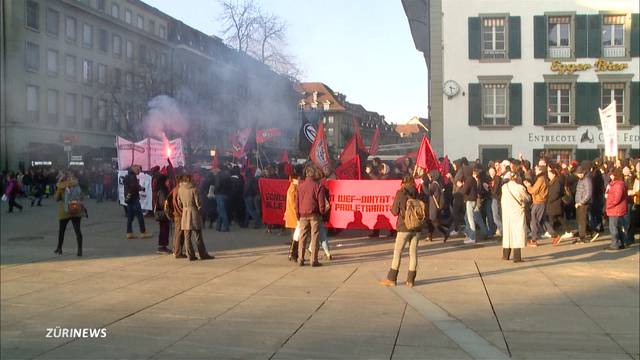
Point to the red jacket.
(617, 198)
(311, 198)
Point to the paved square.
(571, 301)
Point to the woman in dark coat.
(164, 222)
(438, 208)
(554, 209)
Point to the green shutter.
(635, 35)
(474, 38)
(540, 104)
(514, 37)
(587, 154)
(587, 103)
(515, 104)
(475, 105)
(581, 36)
(595, 36)
(634, 116)
(539, 36)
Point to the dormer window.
(314, 105)
(327, 105)
(315, 96)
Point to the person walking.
(69, 196)
(175, 212)
(492, 209)
(407, 232)
(310, 205)
(132, 190)
(163, 219)
(222, 192)
(616, 209)
(250, 192)
(469, 189)
(514, 225)
(438, 208)
(11, 192)
(191, 221)
(290, 217)
(539, 192)
(582, 204)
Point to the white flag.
(609, 129)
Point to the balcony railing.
(614, 51)
(559, 52)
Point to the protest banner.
(353, 206)
(609, 129)
(145, 196)
(149, 153)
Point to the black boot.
(506, 252)
(517, 255)
(391, 279)
(411, 278)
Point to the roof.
(324, 94)
(408, 129)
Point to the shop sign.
(584, 137)
(599, 66)
(41, 163)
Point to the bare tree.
(239, 19)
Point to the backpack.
(415, 214)
(73, 201)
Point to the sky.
(361, 48)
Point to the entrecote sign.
(585, 136)
(599, 66)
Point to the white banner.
(146, 201)
(149, 153)
(609, 129)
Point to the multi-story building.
(339, 115)
(76, 73)
(528, 77)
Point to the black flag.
(308, 128)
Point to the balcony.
(556, 52)
(613, 51)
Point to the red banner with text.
(355, 204)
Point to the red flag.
(264, 135)
(285, 157)
(349, 151)
(444, 169)
(238, 141)
(373, 149)
(349, 170)
(356, 135)
(426, 158)
(288, 168)
(319, 153)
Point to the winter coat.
(190, 204)
(554, 197)
(405, 193)
(12, 188)
(514, 225)
(584, 191)
(435, 199)
(290, 219)
(616, 203)
(59, 197)
(131, 186)
(539, 190)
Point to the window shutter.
(581, 42)
(595, 36)
(635, 35)
(515, 104)
(634, 116)
(475, 105)
(540, 104)
(587, 154)
(514, 37)
(474, 38)
(540, 37)
(587, 103)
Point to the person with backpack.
(438, 207)
(411, 213)
(69, 196)
(162, 194)
(132, 190)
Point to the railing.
(560, 52)
(614, 51)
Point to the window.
(87, 71)
(614, 91)
(32, 53)
(102, 74)
(52, 62)
(53, 22)
(52, 106)
(129, 50)
(493, 38)
(102, 114)
(32, 103)
(142, 54)
(70, 66)
(70, 28)
(128, 16)
(163, 59)
(152, 27)
(613, 36)
(87, 35)
(558, 37)
(559, 104)
(115, 10)
(100, 4)
(33, 15)
(117, 45)
(87, 105)
(103, 40)
(326, 106)
(558, 155)
(115, 114)
(70, 108)
(117, 76)
(140, 22)
(494, 107)
(162, 31)
(128, 81)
